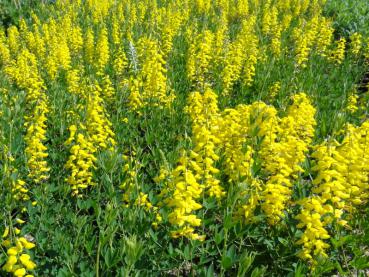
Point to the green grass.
(349, 15)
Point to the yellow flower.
(80, 163)
(20, 221)
(26, 261)
(12, 260)
(274, 90)
(283, 149)
(98, 125)
(356, 41)
(73, 81)
(180, 195)
(20, 272)
(26, 244)
(13, 251)
(103, 50)
(338, 54)
(89, 45)
(352, 103)
(311, 217)
(7, 267)
(237, 57)
(120, 62)
(6, 232)
(203, 110)
(324, 36)
(199, 58)
(150, 87)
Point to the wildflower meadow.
(184, 138)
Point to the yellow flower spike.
(338, 54)
(103, 50)
(334, 184)
(150, 87)
(352, 103)
(199, 58)
(203, 111)
(237, 58)
(305, 36)
(89, 45)
(81, 162)
(356, 43)
(283, 149)
(98, 125)
(274, 89)
(24, 72)
(180, 195)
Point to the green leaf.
(226, 262)
(218, 238)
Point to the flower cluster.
(24, 72)
(199, 58)
(98, 125)
(19, 262)
(36, 150)
(339, 186)
(129, 185)
(234, 135)
(150, 87)
(181, 195)
(283, 150)
(81, 160)
(237, 61)
(356, 43)
(338, 53)
(203, 112)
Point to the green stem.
(98, 258)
